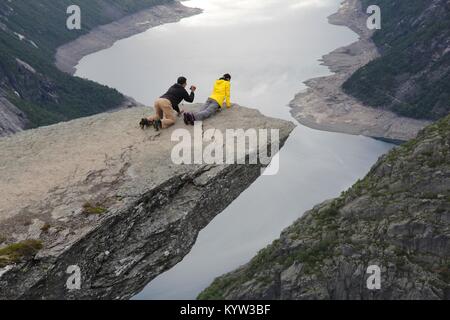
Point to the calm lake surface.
(270, 47)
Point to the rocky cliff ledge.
(101, 194)
(397, 218)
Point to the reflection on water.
(270, 47)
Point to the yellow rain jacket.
(221, 92)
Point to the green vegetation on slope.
(17, 252)
(412, 77)
(44, 21)
(46, 94)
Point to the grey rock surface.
(104, 195)
(397, 218)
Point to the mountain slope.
(28, 78)
(398, 218)
(412, 76)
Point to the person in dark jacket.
(168, 104)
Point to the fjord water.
(270, 47)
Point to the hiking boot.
(157, 124)
(186, 118)
(190, 118)
(145, 123)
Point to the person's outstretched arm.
(189, 97)
(228, 94)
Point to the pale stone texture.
(154, 208)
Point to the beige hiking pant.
(164, 112)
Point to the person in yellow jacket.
(220, 94)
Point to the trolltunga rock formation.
(102, 194)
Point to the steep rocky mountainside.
(412, 76)
(102, 194)
(33, 92)
(397, 217)
(12, 119)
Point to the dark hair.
(226, 76)
(182, 80)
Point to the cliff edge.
(100, 194)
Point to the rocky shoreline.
(103, 37)
(324, 105)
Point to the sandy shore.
(325, 106)
(103, 37)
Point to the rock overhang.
(62, 183)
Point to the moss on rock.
(18, 252)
